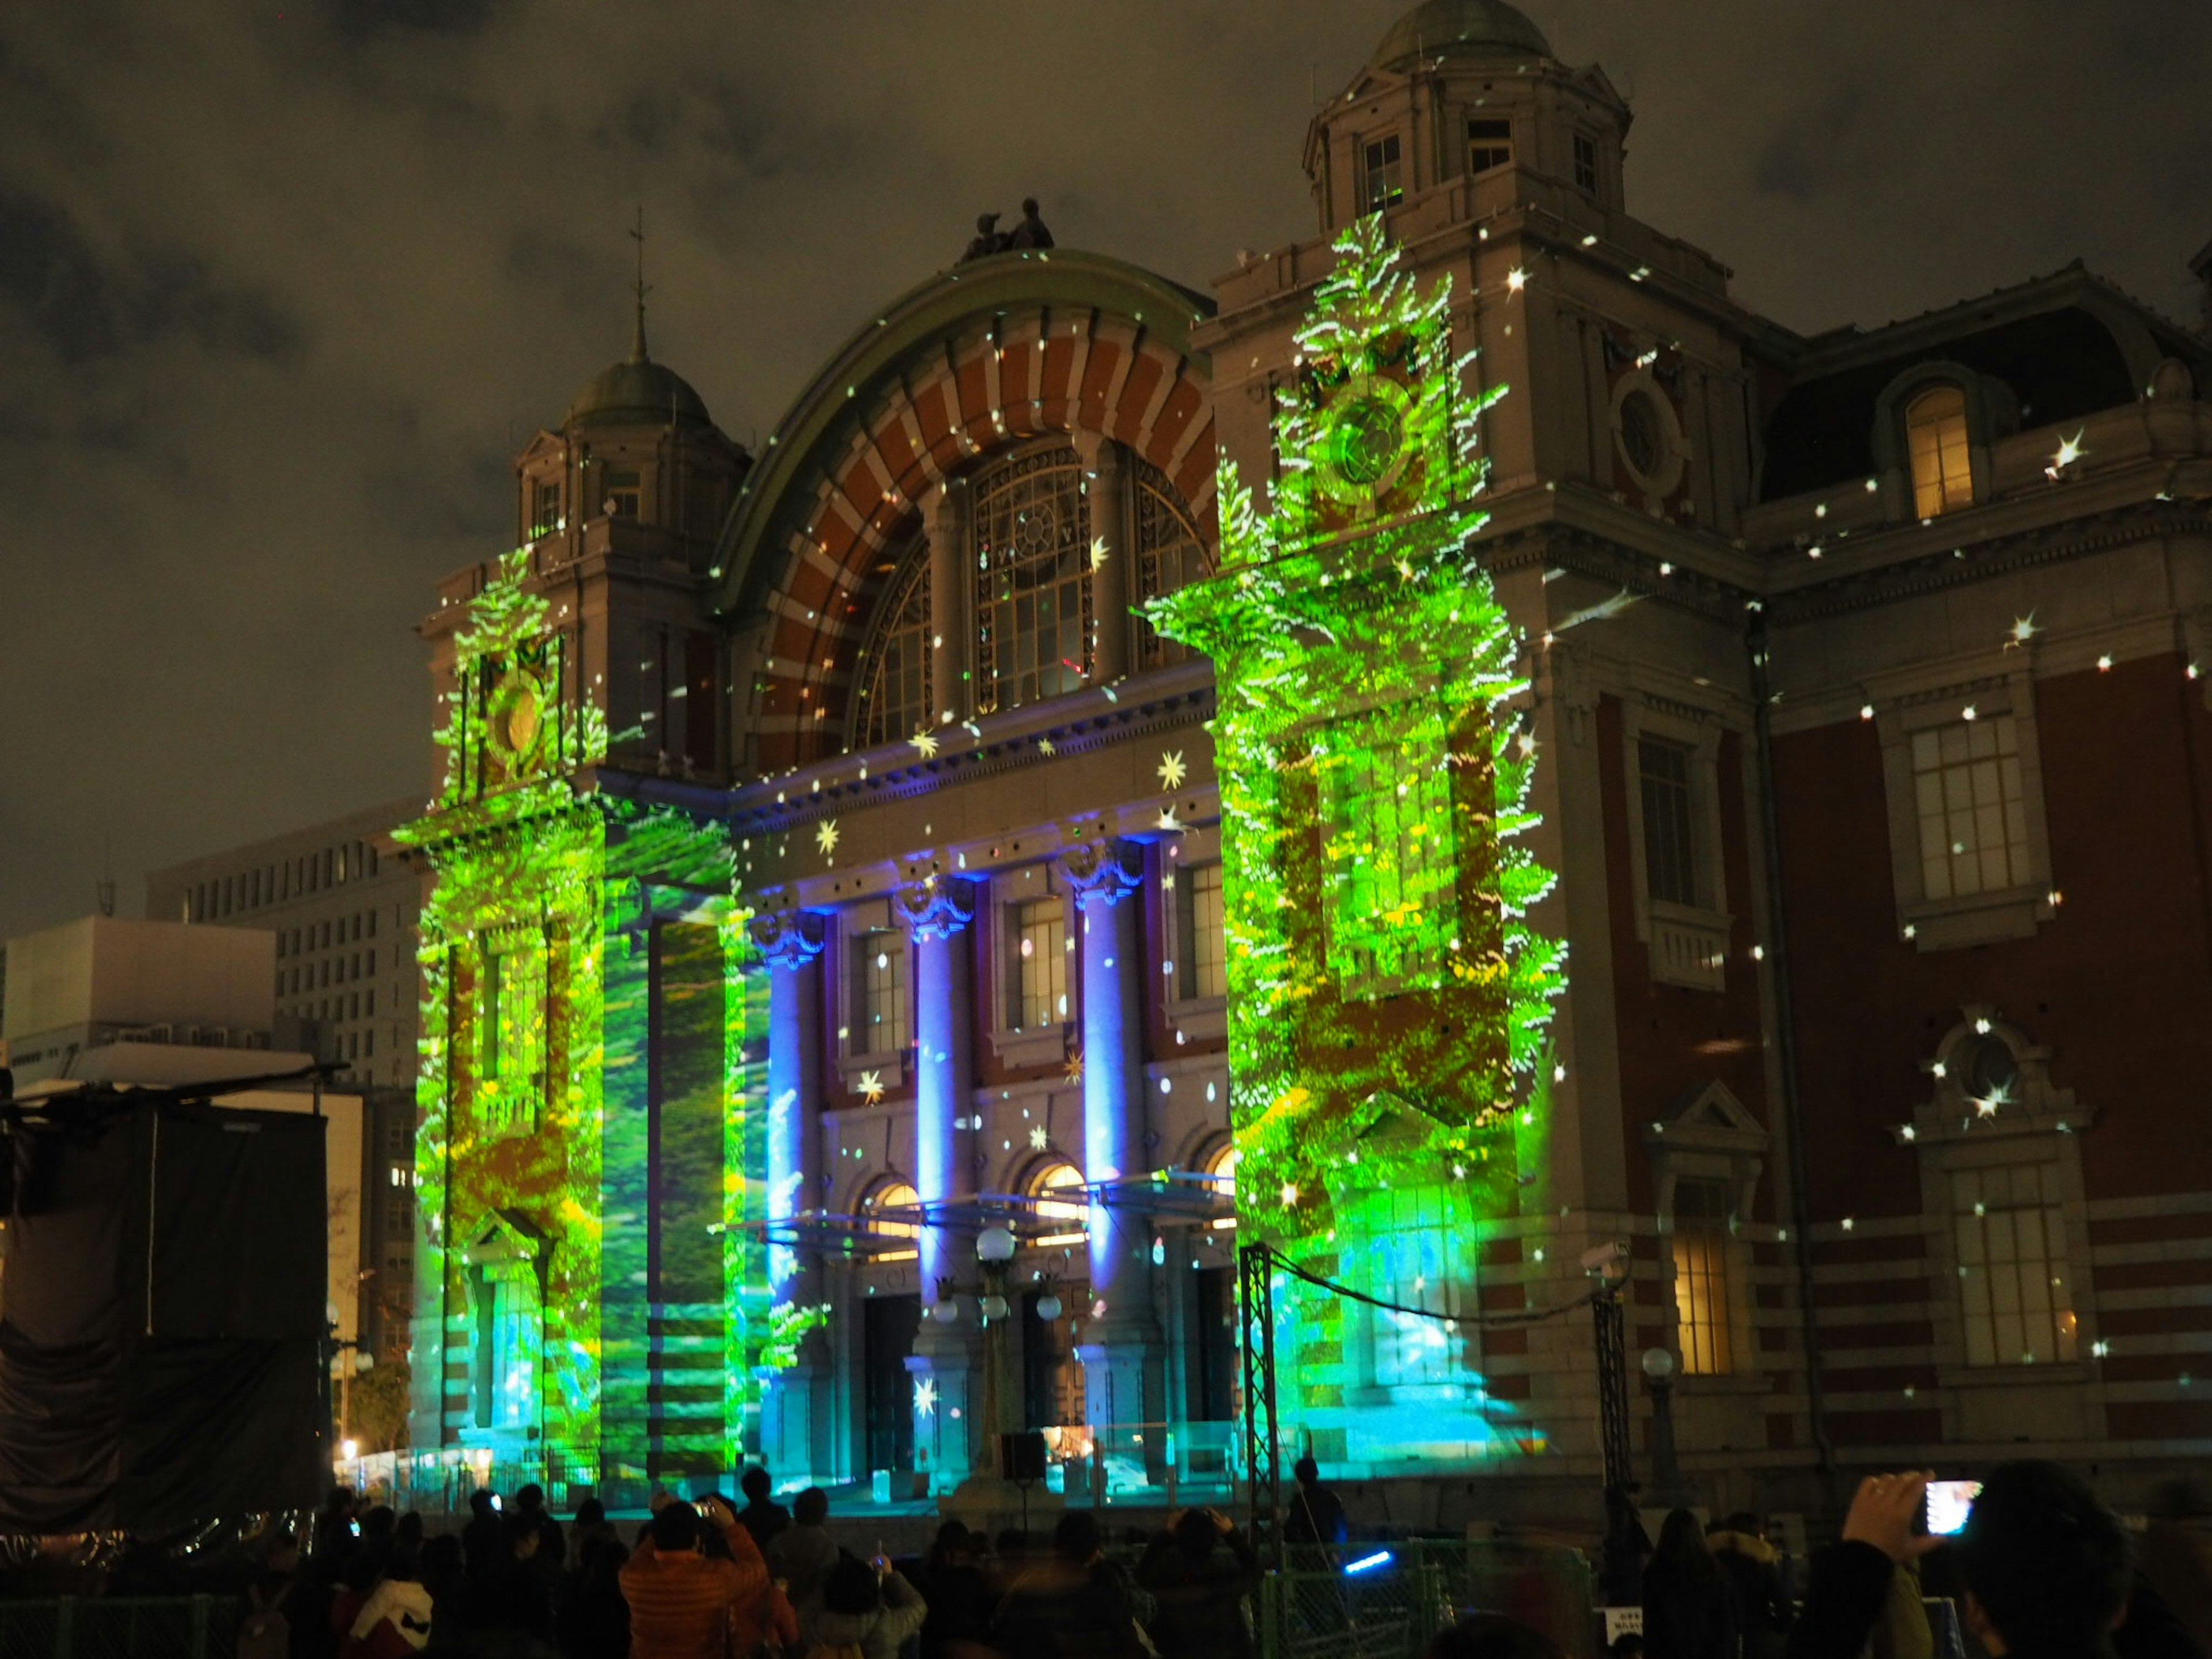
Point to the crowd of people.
(2041, 1570)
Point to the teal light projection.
(592, 1093)
(1388, 994)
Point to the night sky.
(283, 286)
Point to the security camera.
(1607, 1260)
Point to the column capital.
(788, 938)
(1095, 449)
(935, 908)
(1104, 872)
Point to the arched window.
(1170, 554)
(895, 700)
(888, 1204)
(1061, 1202)
(1935, 439)
(1220, 1167)
(1032, 579)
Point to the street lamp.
(1667, 1483)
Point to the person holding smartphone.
(685, 1604)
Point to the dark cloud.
(283, 284)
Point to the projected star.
(872, 1086)
(825, 835)
(1038, 1138)
(1045, 746)
(925, 1397)
(1172, 771)
(925, 741)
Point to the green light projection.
(591, 1003)
(1388, 994)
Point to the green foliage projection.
(555, 925)
(1388, 994)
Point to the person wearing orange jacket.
(685, 1604)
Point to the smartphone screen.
(1949, 1504)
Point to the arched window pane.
(1170, 554)
(1032, 579)
(1936, 433)
(895, 702)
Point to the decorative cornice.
(1103, 872)
(789, 939)
(935, 908)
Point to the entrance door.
(888, 1327)
(1213, 1368)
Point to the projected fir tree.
(1388, 993)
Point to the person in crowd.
(1629, 1644)
(592, 1620)
(1490, 1635)
(1071, 1601)
(1752, 1572)
(445, 1575)
(762, 1516)
(2045, 1568)
(505, 1592)
(407, 1532)
(480, 1538)
(685, 1604)
(1686, 1611)
(2176, 1554)
(1198, 1572)
(960, 1600)
(802, 1552)
(590, 1527)
(866, 1606)
(1315, 1517)
(397, 1618)
(552, 1553)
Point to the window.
(1033, 580)
(2011, 1236)
(1036, 984)
(1419, 1245)
(1936, 436)
(1586, 163)
(889, 1199)
(1386, 828)
(1643, 434)
(512, 1044)
(1061, 1203)
(1489, 144)
(1703, 1212)
(894, 703)
(621, 494)
(1972, 806)
(1203, 969)
(545, 514)
(1170, 556)
(880, 993)
(1670, 869)
(510, 1342)
(1381, 174)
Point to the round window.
(1643, 433)
(1992, 1073)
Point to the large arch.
(975, 360)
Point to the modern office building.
(834, 867)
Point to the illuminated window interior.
(895, 703)
(1972, 806)
(889, 1199)
(1032, 579)
(1036, 985)
(1702, 1305)
(1670, 871)
(1489, 143)
(879, 992)
(2011, 1234)
(1381, 173)
(1935, 434)
(1204, 969)
(1061, 1204)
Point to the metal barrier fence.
(120, 1627)
(1384, 1600)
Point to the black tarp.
(161, 1317)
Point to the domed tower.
(623, 502)
(1466, 93)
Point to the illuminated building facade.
(838, 854)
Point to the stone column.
(1121, 1349)
(795, 1414)
(937, 913)
(1113, 576)
(944, 518)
